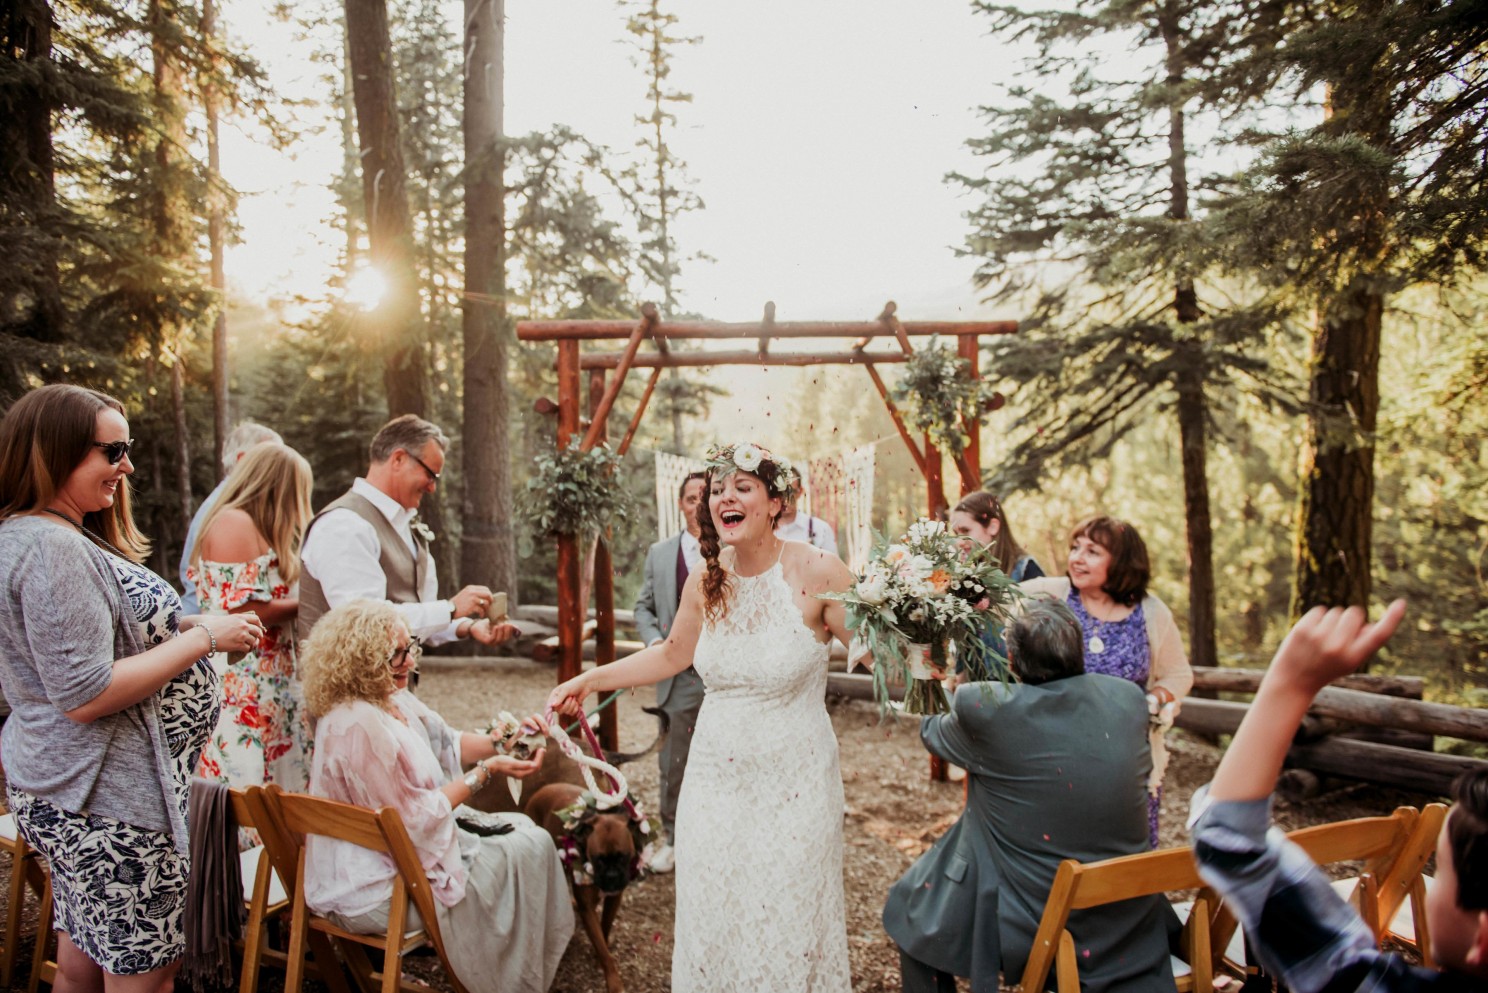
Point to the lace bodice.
(759, 822)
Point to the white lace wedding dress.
(759, 822)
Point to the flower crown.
(749, 457)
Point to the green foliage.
(573, 492)
(940, 397)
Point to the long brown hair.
(716, 581)
(45, 436)
(984, 508)
(272, 486)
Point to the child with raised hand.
(1299, 928)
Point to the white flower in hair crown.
(749, 457)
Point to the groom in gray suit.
(668, 564)
(1057, 766)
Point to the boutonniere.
(422, 530)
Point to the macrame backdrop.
(670, 471)
(840, 492)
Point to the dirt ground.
(893, 814)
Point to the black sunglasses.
(114, 451)
(434, 476)
(413, 651)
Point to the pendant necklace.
(1095, 644)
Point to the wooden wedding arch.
(607, 371)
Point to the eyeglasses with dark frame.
(412, 652)
(115, 451)
(433, 476)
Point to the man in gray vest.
(1057, 766)
(370, 545)
(668, 564)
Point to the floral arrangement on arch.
(575, 492)
(920, 598)
(941, 397)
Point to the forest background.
(1244, 239)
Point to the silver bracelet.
(475, 785)
(211, 638)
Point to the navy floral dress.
(1124, 653)
(119, 891)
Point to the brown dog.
(609, 851)
(609, 848)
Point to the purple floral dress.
(1124, 653)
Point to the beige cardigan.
(1169, 666)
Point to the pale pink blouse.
(367, 757)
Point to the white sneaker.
(664, 859)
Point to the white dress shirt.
(822, 535)
(692, 552)
(343, 553)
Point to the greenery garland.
(940, 396)
(574, 492)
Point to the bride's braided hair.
(772, 470)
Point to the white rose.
(921, 566)
(873, 587)
(895, 554)
(747, 457)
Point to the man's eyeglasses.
(433, 476)
(409, 653)
(114, 451)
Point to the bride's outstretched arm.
(647, 666)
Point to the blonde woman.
(248, 559)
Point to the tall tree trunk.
(488, 550)
(1192, 410)
(27, 171)
(1336, 512)
(346, 196)
(1336, 482)
(215, 240)
(172, 235)
(398, 319)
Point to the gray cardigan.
(65, 621)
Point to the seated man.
(1299, 929)
(1058, 767)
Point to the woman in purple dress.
(1128, 631)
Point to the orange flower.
(941, 580)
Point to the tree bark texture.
(1335, 517)
(216, 239)
(488, 549)
(398, 318)
(27, 170)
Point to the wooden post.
(570, 611)
(897, 418)
(604, 570)
(970, 462)
(635, 422)
(599, 408)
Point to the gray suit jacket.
(656, 606)
(1055, 771)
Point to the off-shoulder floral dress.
(263, 735)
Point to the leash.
(602, 800)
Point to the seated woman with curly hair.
(500, 895)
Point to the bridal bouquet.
(921, 597)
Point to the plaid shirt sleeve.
(1299, 929)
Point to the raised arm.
(1324, 645)
(647, 666)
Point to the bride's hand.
(568, 698)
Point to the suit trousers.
(920, 977)
(681, 706)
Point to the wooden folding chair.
(25, 873)
(1080, 886)
(264, 895)
(285, 820)
(1392, 867)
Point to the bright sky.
(818, 137)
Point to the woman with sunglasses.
(247, 558)
(112, 693)
(499, 892)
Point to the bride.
(759, 820)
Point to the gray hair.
(242, 437)
(1045, 642)
(410, 433)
